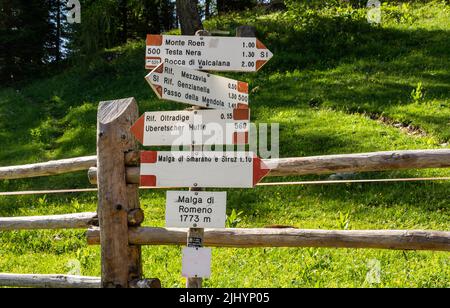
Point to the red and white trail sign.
(189, 86)
(201, 169)
(196, 127)
(210, 53)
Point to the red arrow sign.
(201, 169)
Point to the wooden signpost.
(209, 53)
(200, 127)
(175, 62)
(189, 86)
(207, 169)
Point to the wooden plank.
(48, 168)
(70, 221)
(48, 281)
(365, 162)
(250, 238)
(120, 261)
(59, 167)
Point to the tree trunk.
(190, 21)
(221, 6)
(151, 13)
(124, 11)
(207, 9)
(58, 32)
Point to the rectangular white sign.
(197, 127)
(188, 86)
(201, 169)
(196, 262)
(211, 53)
(196, 209)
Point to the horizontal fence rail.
(48, 281)
(69, 221)
(251, 238)
(376, 161)
(365, 162)
(58, 167)
(48, 168)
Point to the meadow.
(336, 85)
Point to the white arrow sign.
(199, 127)
(201, 169)
(188, 86)
(239, 54)
(195, 209)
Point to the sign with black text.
(210, 53)
(199, 127)
(196, 209)
(206, 169)
(192, 87)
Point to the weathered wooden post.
(121, 262)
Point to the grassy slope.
(331, 75)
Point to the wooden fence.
(117, 224)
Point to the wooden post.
(195, 240)
(195, 235)
(121, 262)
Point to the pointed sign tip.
(260, 170)
(138, 129)
(150, 77)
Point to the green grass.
(335, 85)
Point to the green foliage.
(417, 94)
(343, 222)
(234, 219)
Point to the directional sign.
(199, 127)
(239, 54)
(185, 85)
(195, 209)
(201, 169)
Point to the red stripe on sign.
(260, 45)
(138, 129)
(243, 87)
(240, 138)
(159, 69)
(260, 63)
(148, 181)
(151, 67)
(260, 170)
(149, 157)
(241, 114)
(242, 106)
(159, 90)
(154, 40)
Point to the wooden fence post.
(121, 262)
